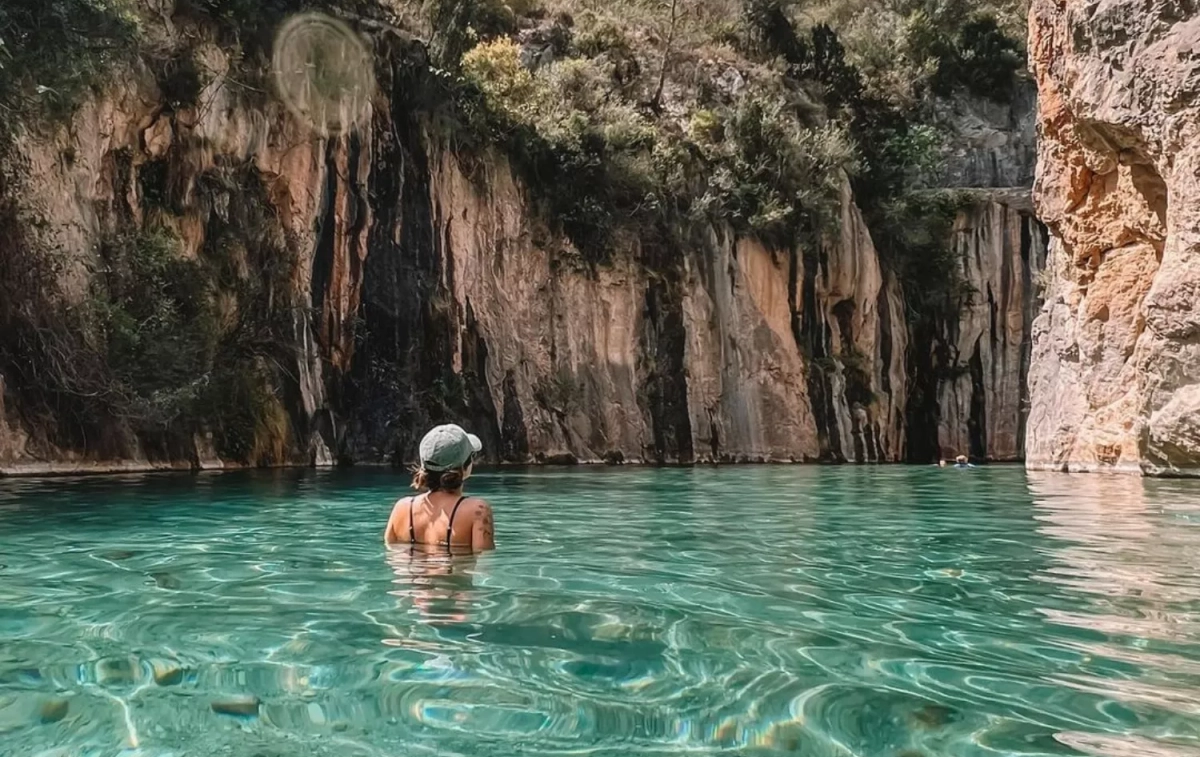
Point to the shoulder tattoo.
(485, 520)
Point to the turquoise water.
(900, 612)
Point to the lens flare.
(323, 73)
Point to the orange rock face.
(1115, 376)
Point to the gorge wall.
(371, 284)
(1115, 381)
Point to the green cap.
(447, 448)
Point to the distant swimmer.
(959, 462)
(443, 516)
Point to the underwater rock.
(166, 581)
(167, 673)
(53, 710)
(934, 716)
(117, 671)
(240, 705)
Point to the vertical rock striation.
(971, 388)
(1115, 378)
(983, 399)
(380, 282)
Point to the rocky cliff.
(1116, 359)
(982, 399)
(368, 284)
(970, 372)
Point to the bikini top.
(412, 531)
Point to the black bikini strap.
(412, 530)
(450, 528)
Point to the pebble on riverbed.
(166, 581)
(238, 705)
(934, 716)
(167, 674)
(117, 671)
(53, 710)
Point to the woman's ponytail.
(438, 481)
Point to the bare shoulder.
(401, 504)
(483, 528)
(399, 512)
(480, 511)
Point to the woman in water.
(443, 515)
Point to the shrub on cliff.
(134, 353)
(982, 59)
(906, 49)
(160, 344)
(705, 108)
(599, 157)
(771, 175)
(154, 312)
(53, 51)
(584, 156)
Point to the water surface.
(899, 612)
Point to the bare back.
(442, 519)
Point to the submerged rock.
(240, 705)
(166, 581)
(53, 710)
(117, 671)
(934, 716)
(167, 674)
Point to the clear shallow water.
(900, 612)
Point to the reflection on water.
(438, 584)
(1125, 550)
(1118, 543)
(824, 612)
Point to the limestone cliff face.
(983, 401)
(401, 284)
(701, 357)
(970, 389)
(1115, 379)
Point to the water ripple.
(898, 612)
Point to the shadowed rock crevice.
(664, 383)
(514, 447)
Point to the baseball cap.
(448, 447)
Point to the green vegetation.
(54, 51)
(154, 312)
(134, 350)
(914, 232)
(559, 394)
(160, 345)
(907, 49)
(638, 114)
(585, 132)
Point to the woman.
(443, 515)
